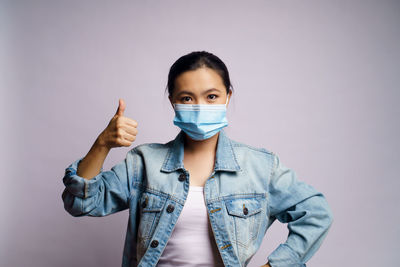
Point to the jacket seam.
(272, 171)
(234, 154)
(127, 177)
(136, 183)
(259, 149)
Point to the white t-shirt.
(192, 242)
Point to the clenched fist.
(121, 131)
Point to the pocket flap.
(151, 203)
(243, 207)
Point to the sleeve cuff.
(284, 256)
(79, 186)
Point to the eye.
(185, 98)
(213, 97)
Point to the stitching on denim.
(157, 192)
(272, 171)
(236, 234)
(215, 233)
(127, 163)
(214, 210)
(135, 162)
(259, 149)
(234, 196)
(165, 166)
(145, 197)
(160, 193)
(227, 245)
(233, 154)
(254, 218)
(167, 158)
(253, 236)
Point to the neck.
(202, 146)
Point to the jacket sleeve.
(306, 212)
(108, 192)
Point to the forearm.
(306, 212)
(308, 225)
(106, 193)
(92, 163)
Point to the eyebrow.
(190, 93)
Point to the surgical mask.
(200, 121)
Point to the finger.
(129, 137)
(121, 107)
(131, 121)
(130, 129)
(123, 139)
(124, 142)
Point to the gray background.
(314, 81)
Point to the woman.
(201, 199)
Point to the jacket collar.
(225, 155)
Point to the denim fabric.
(247, 191)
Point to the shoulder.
(252, 156)
(253, 159)
(151, 149)
(251, 149)
(156, 147)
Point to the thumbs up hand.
(120, 131)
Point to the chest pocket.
(150, 207)
(245, 215)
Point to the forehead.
(199, 80)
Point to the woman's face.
(201, 86)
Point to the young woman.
(201, 199)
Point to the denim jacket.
(247, 191)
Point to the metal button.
(182, 177)
(144, 203)
(154, 243)
(170, 208)
(245, 211)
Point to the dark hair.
(193, 61)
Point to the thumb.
(121, 107)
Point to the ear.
(170, 100)
(229, 95)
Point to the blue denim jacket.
(248, 189)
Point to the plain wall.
(316, 82)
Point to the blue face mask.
(200, 121)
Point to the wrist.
(100, 146)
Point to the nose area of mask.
(200, 121)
